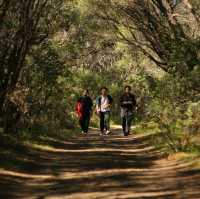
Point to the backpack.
(79, 109)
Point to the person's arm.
(111, 100)
(134, 101)
(121, 101)
(97, 105)
(97, 102)
(78, 101)
(90, 103)
(77, 109)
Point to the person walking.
(127, 105)
(84, 110)
(103, 108)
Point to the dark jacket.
(128, 102)
(87, 104)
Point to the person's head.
(127, 89)
(86, 92)
(104, 91)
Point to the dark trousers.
(104, 121)
(84, 123)
(126, 124)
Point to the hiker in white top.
(103, 108)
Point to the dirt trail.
(112, 167)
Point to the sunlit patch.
(95, 168)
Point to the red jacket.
(79, 109)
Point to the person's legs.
(102, 116)
(107, 121)
(81, 123)
(87, 122)
(129, 121)
(124, 125)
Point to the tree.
(23, 24)
(154, 28)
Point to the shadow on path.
(108, 167)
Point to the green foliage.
(175, 109)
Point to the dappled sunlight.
(68, 66)
(120, 195)
(96, 150)
(94, 167)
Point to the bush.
(176, 108)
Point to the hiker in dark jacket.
(84, 110)
(103, 108)
(127, 104)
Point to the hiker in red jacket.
(83, 110)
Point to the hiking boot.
(108, 132)
(101, 133)
(126, 134)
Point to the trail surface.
(112, 167)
